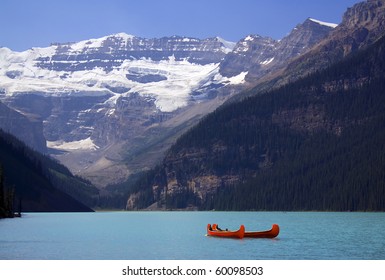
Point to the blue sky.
(37, 23)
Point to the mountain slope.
(39, 183)
(28, 129)
(361, 26)
(259, 56)
(316, 144)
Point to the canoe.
(213, 231)
(273, 232)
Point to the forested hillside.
(315, 144)
(6, 199)
(34, 182)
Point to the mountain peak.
(118, 39)
(368, 14)
(309, 32)
(122, 35)
(227, 44)
(361, 25)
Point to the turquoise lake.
(182, 236)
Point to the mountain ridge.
(29, 130)
(261, 55)
(361, 25)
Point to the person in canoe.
(218, 228)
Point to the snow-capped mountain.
(166, 69)
(95, 94)
(111, 106)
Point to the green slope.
(34, 178)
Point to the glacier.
(21, 73)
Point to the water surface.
(182, 235)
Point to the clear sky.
(37, 23)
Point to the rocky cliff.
(362, 25)
(259, 56)
(109, 52)
(27, 129)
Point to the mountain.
(112, 106)
(109, 52)
(259, 56)
(361, 26)
(115, 66)
(97, 96)
(38, 183)
(313, 144)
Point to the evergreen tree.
(6, 198)
(2, 201)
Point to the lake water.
(182, 236)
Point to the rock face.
(109, 52)
(362, 25)
(261, 55)
(28, 130)
(367, 18)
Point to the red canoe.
(213, 231)
(273, 232)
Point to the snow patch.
(267, 61)
(228, 46)
(249, 38)
(81, 46)
(239, 79)
(84, 144)
(332, 25)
